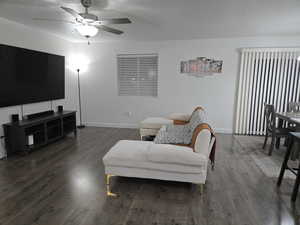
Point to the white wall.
(18, 35)
(177, 93)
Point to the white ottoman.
(151, 125)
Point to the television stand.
(27, 135)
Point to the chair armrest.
(203, 143)
(180, 122)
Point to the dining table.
(291, 117)
(294, 119)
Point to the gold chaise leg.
(108, 192)
(201, 188)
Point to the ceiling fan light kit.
(87, 24)
(87, 30)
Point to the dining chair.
(294, 107)
(271, 129)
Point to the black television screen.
(28, 76)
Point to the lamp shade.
(78, 61)
(87, 30)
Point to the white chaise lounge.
(143, 159)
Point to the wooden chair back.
(270, 117)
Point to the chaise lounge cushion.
(154, 123)
(180, 116)
(147, 155)
(166, 153)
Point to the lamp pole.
(79, 100)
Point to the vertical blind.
(137, 74)
(267, 75)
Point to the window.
(137, 75)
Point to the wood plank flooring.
(64, 184)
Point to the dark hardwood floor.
(64, 184)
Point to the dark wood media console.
(27, 135)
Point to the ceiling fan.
(88, 24)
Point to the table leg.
(280, 125)
(285, 161)
(296, 185)
(277, 143)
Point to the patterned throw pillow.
(170, 134)
(180, 134)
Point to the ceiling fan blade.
(109, 29)
(113, 21)
(54, 20)
(73, 13)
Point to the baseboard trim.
(135, 126)
(223, 131)
(114, 125)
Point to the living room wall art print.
(201, 66)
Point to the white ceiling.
(166, 19)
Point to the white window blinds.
(267, 75)
(137, 74)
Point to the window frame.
(140, 89)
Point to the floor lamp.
(80, 126)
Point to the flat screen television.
(28, 76)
